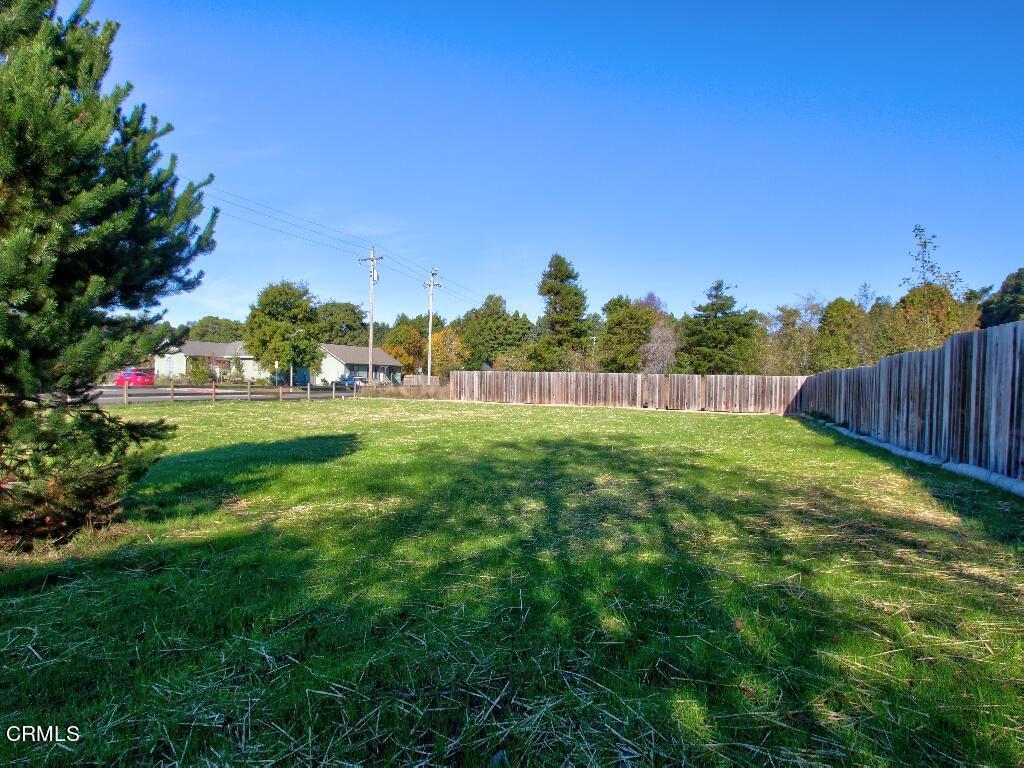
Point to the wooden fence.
(961, 403)
(730, 394)
(418, 380)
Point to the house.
(341, 360)
(218, 355)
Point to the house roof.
(214, 349)
(347, 353)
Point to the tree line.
(718, 336)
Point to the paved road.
(111, 395)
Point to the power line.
(402, 265)
(289, 223)
(291, 215)
(289, 234)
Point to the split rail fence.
(962, 403)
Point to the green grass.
(387, 581)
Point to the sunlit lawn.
(389, 581)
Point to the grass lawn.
(390, 581)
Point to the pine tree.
(490, 330)
(717, 337)
(93, 233)
(564, 322)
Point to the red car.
(135, 377)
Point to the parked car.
(135, 377)
(353, 381)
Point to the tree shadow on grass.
(673, 617)
(529, 600)
(996, 511)
(200, 482)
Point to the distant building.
(339, 361)
(218, 355)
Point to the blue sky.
(785, 148)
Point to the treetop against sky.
(795, 157)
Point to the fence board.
(962, 402)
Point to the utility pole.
(373, 258)
(430, 285)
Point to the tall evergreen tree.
(94, 231)
(419, 322)
(564, 322)
(718, 337)
(490, 330)
(1006, 304)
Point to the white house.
(341, 360)
(219, 356)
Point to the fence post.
(248, 390)
(332, 390)
(639, 390)
(124, 393)
(172, 390)
(307, 389)
(280, 393)
(213, 390)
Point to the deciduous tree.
(342, 322)
(836, 344)
(212, 328)
(449, 352)
(282, 327)
(408, 346)
(627, 329)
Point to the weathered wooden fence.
(961, 403)
(731, 394)
(418, 380)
